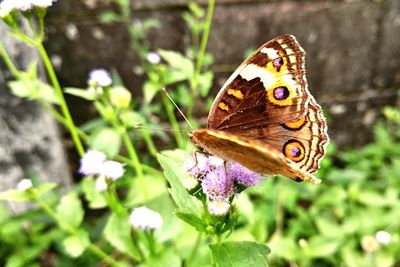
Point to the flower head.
(243, 175)
(100, 77)
(112, 169)
(218, 208)
(6, 6)
(197, 165)
(153, 58)
(383, 237)
(91, 162)
(24, 184)
(217, 185)
(145, 219)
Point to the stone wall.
(30, 141)
(353, 51)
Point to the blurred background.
(353, 70)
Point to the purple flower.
(242, 175)
(217, 185)
(219, 179)
(197, 164)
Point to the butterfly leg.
(194, 156)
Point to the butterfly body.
(265, 118)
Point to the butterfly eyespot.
(294, 150)
(278, 62)
(281, 93)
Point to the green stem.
(64, 108)
(173, 121)
(149, 142)
(72, 231)
(135, 160)
(200, 56)
(204, 38)
(7, 60)
(112, 200)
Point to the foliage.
(351, 219)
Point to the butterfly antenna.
(141, 126)
(176, 106)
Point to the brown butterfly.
(265, 118)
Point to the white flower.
(101, 77)
(153, 58)
(6, 6)
(101, 184)
(112, 169)
(91, 162)
(383, 237)
(219, 207)
(24, 184)
(145, 219)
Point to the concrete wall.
(353, 51)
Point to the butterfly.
(264, 116)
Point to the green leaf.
(132, 119)
(82, 93)
(118, 233)
(33, 89)
(180, 195)
(178, 62)
(15, 195)
(321, 246)
(236, 254)
(107, 140)
(95, 199)
(150, 89)
(70, 210)
(75, 245)
(44, 188)
(285, 247)
(109, 16)
(173, 76)
(193, 220)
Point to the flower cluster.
(145, 219)
(94, 163)
(6, 6)
(219, 180)
(100, 77)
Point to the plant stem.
(149, 142)
(72, 231)
(200, 56)
(135, 160)
(64, 108)
(7, 60)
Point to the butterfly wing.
(267, 99)
(270, 87)
(251, 153)
(303, 141)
